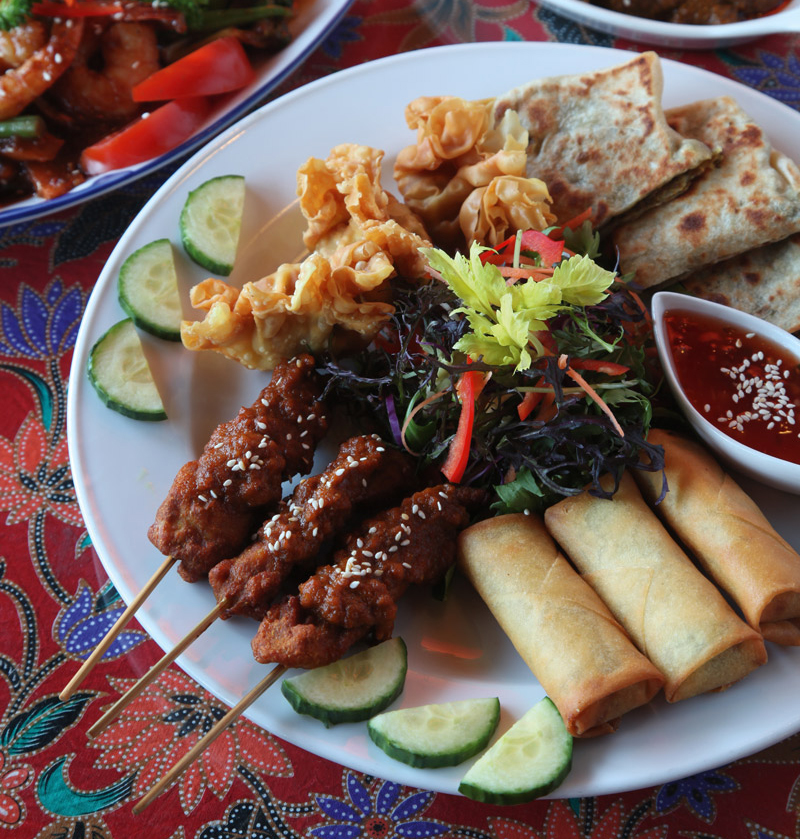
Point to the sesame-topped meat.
(356, 596)
(216, 502)
(366, 473)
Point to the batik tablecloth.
(55, 599)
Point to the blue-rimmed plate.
(312, 23)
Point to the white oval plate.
(123, 469)
(677, 35)
(313, 22)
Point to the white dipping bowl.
(677, 35)
(781, 474)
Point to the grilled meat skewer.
(366, 473)
(216, 502)
(357, 595)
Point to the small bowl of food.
(684, 24)
(737, 380)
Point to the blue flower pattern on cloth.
(377, 815)
(45, 325)
(778, 77)
(696, 792)
(85, 622)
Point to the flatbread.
(750, 199)
(764, 282)
(601, 139)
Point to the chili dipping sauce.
(745, 385)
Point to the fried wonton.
(359, 237)
(465, 177)
(600, 139)
(751, 198)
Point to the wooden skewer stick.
(115, 630)
(152, 674)
(201, 745)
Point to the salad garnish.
(524, 368)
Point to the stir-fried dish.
(84, 89)
(693, 11)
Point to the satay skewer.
(201, 745)
(155, 671)
(121, 622)
(422, 556)
(194, 523)
(365, 470)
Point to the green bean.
(26, 127)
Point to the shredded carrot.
(579, 219)
(590, 392)
(547, 407)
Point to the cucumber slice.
(210, 223)
(119, 372)
(443, 734)
(530, 760)
(352, 689)
(148, 290)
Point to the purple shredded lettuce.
(529, 463)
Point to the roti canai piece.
(751, 198)
(601, 140)
(764, 282)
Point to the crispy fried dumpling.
(459, 151)
(492, 213)
(359, 236)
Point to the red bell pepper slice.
(549, 250)
(86, 8)
(148, 137)
(468, 388)
(610, 368)
(219, 66)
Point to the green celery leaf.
(582, 281)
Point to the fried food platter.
(122, 469)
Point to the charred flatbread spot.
(750, 137)
(757, 217)
(751, 277)
(645, 74)
(647, 121)
(692, 222)
(747, 178)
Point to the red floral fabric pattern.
(55, 600)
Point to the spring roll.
(730, 537)
(674, 613)
(579, 653)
